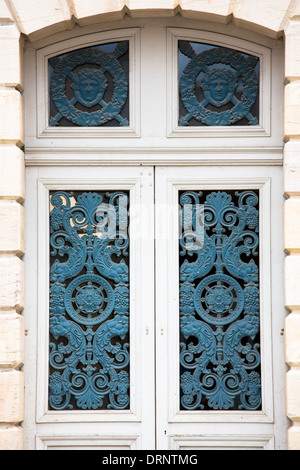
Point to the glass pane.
(89, 87)
(89, 300)
(219, 300)
(217, 86)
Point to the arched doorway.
(185, 385)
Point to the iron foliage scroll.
(218, 86)
(89, 87)
(89, 301)
(219, 301)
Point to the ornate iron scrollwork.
(218, 87)
(89, 301)
(89, 87)
(219, 302)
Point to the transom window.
(89, 87)
(217, 86)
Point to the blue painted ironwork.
(219, 302)
(91, 72)
(89, 301)
(218, 86)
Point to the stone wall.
(12, 192)
(33, 19)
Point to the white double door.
(154, 419)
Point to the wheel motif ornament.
(222, 69)
(89, 299)
(219, 299)
(88, 86)
(220, 304)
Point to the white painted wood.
(139, 420)
(82, 442)
(42, 92)
(153, 94)
(170, 420)
(155, 156)
(225, 442)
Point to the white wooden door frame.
(217, 429)
(132, 429)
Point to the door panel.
(214, 381)
(80, 350)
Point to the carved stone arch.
(46, 18)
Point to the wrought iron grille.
(89, 300)
(218, 86)
(89, 87)
(219, 300)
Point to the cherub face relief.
(219, 86)
(89, 86)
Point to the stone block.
(11, 117)
(12, 227)
(155, 8)
(12, 173)
(11, 396)
(5, 14)
(265, 17)
(292, 282)
(292, 224)
(11, 340)
(218, 10)
(117, 9)
(292, 110)
(11, 437)
(37, 19)
(292, 55)
(11, 57)
(292, 338)
(12, 283)
(90, 11)
(291, 168)
(293, 437)
(293, 394)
